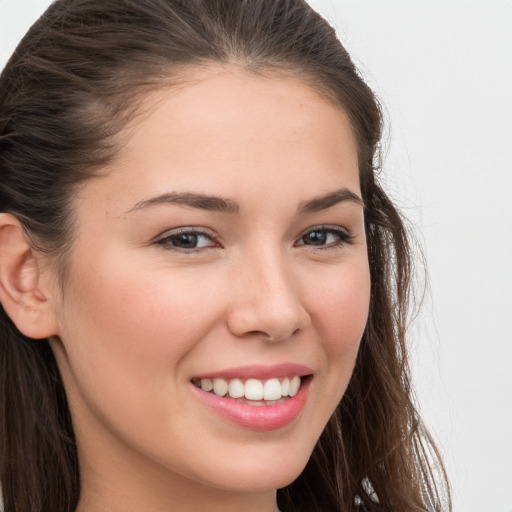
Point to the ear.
(24, 294)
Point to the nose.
(267, 301)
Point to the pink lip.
(263, 417)
(261, 372)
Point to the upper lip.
(261, 372)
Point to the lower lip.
(257, 417)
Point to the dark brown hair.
(65, 95)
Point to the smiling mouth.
(253, 391)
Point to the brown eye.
(315, 238)
(187, 240)
(325, 237)
(184, 240)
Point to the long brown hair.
(65, 95)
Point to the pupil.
(186, 240)
(316, 238)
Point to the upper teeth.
(253, 389)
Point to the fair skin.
(266, 280)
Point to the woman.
(204, 287)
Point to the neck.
(105, 497)
(133, 485)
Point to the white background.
(443, 70)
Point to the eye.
(187, 239)
(325, 237)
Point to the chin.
(253, 473)
(260, 479)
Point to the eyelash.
(344, 238)
(166, 240)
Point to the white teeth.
(220, 387)
(272, 390)
(254, 389)
(207, 384)
(285, 386)
(294, 386)
(236, 388)
(260, 392)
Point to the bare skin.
(269, 277)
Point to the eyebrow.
(221, 205)
(332, 198)
(201, 201)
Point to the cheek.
(125, 340)
(129, 328)
(341, 311)
(141, 311)
(342, 306)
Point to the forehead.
(228, 129)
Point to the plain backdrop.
(443, 71)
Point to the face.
(225, 246)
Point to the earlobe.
(21, 289)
